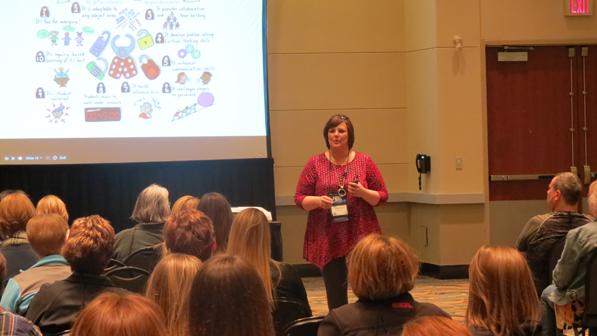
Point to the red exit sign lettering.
(578, 7)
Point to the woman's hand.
(316, 202)
(325, 202)
(356, 189)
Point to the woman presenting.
(339, 188)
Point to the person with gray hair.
(543, 233)
(569, 274)
(150, 213)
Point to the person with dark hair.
(88, 248)
(543, 232)
(502, 300)
(15, 211)
(13, 324)
(120, 314)
(381, 272)
(47, 234)
(217, 208)
(339, 189)
(152, 208)
(190, 232)
(228, 299)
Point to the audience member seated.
(228, 299)
(15, 211)
(190, 232)
(542, 232)
(569, 273)
(151, 211)
(185, 202)
(250, 239)
(7, 192)
(46, 234)
(51, 204)
(169, 286)
(120, 314)
(502, 299)
(217, 208)
(88, 248)
(381, 272)
(434, 326)
(13, 324)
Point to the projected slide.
(131, 69)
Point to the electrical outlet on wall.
(459, 163)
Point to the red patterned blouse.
(325, 240)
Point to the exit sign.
(578, 7)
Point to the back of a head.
(15, 211)
(190, 232)
(119, 314)
(250, 238)
(185, 202)
(228, 299)
(569, 186)
(217, 207)
(592, 199)
(51, 204)
(89, 245)
(152, 205)
(169, 286)
(2, 271)
(434, 326)
(381, 267)
(47, 233)
(502, 295)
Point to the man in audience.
(46, 234)
(152, 208)
(13, 324)
(542, 232)
(569, 273)
(88, 248)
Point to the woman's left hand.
(356, 189)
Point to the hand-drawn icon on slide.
(149, 67)
(98, 68)
(102, 114)
(100, 44)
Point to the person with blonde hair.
(381, 272)
(152, 209)
(250, 239)
(185, 202)
(15, 211)
(47, 234)
(51, 204)
(169, 286)
(434, 326)
(216, 206)
(502, 299)
(120, 314)
(87, 249)
(228, 299)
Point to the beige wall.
(393, 69)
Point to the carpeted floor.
(450, 295)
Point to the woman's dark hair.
(334, 121)
(228, 299)
(217, 208)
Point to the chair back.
(145, 258)
(130, 278)
(112, 264)
(288, 310)
(590, 316)
(306, 326)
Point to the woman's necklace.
(341, 179)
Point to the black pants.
(335, 280)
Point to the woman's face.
(338, 136)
